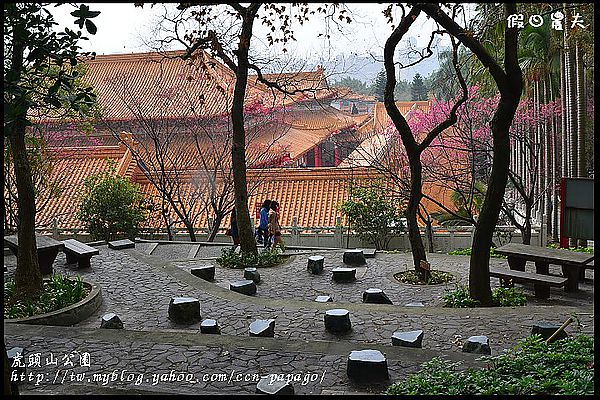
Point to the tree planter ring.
(67, 316)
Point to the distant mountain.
(366, 68)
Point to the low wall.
(443, 240)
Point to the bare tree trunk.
(412, 208)
(555, 208)
(581, 111)
(190, 228)
(28, 278)
(572, 117)
(238, 149)
(510, 83)
(215, 227)
(548, 182)
(565, 114)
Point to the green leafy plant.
(468, 250)
(532, 367)
(231, 259)
(504, 297)
(373, 216)
(589, 250)
(412, 277)
(111, 206)
(459, 298)
(508, 297)
(58, 292)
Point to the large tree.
(226, 32)
(414, 149)
(39, 78)
(508, 79)
(418, 90)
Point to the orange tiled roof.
(381, 119)
(160, 85)
(310, 194)
(308, 84)
(70, 168)
(348, 94)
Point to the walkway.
(138, 288)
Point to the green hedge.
(532, 367)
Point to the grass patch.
(589, 250)
(503, 297)
(469, 250)
(267, 258)
(410, 276)
(532, 367)
(58, 292)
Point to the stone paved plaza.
(138, 286)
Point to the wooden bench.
(79, 252)
(571, 262)
(541, 283)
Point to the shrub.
(411, 276)
(508, 297)
(111, 206)
(459, 298)
(504, 297)
(468, 250)
(267, 258)
(532, 367)
(59, 292)
(578, 249)
(375, 218)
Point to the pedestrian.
(274, 227)
(262, 232)
(233, 229)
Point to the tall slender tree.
(39, 78)
(508, 80)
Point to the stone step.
(194, 251)
(121, 244)
(151, 248)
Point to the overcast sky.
(120, 26)
(123, 28)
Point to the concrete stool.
(206, 272)
(246, 286)
(315, 264)
(366, 366)
(111, 321)
(376, 296)
(263, 328)
(251, 274)
(354, 257)
(121, 244)
(545, 330)
(337, 321)
(210, 326)
(344, 275)
(408, 339)
(477, 345)
(267, 385)
(184, 310)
